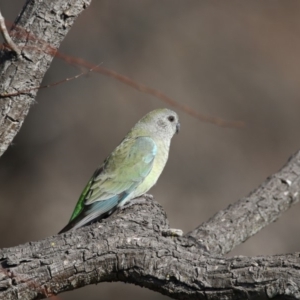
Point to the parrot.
(129, 171)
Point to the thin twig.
(7, 37)
(49, 85)
(125, 80)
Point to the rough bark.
(130, 247)
(232, 226)
(38, 31)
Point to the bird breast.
(158, 166)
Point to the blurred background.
(238, 60)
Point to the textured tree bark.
(130, 247)
(38, 32)
(232, 226)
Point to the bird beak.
(177, 127)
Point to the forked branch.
(130, 246)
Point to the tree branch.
(232, 226)
(40, 23)
(129, 247)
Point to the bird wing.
(118, 177)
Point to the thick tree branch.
(40, 24)
(232, 226)
(129, 247)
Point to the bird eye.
(171, 118)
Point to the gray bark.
(131, 245)
(232, 226)
(38, 32)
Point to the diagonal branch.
(50, 21)
(232, 226)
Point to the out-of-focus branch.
(127, 81)
(10, 43)
(50, 21)
(232, 226)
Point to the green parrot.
(129, 171)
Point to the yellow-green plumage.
(131, 169)
(159, 163)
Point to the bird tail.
(84, 220)
(68, 227)
(96, 211)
